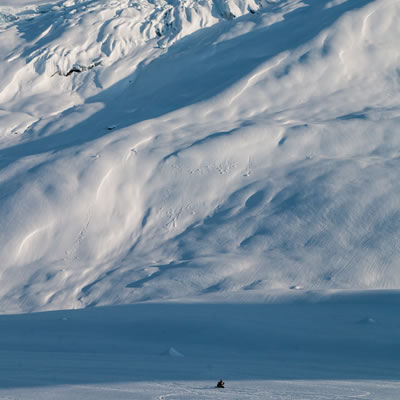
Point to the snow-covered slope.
(197, 150)
(341, 347)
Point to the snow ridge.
(119, 26)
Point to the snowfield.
(232, 166)
(327, 348)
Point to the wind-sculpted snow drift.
(200, 150)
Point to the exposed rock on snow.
(82, 68)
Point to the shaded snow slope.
(293, 349)
(166, 150)
(296, 339)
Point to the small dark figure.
(221, 384)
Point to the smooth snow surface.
(303, 349)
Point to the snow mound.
(367, 320)
(296, 287)
(171, 352)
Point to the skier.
(221, 384)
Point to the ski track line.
(103, 388)
(9, 398)
(165, 396)
(283, 394)
(315, 396)
(225, 393)
(184, 390)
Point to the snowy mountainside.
(197, 150)
(89, 33)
